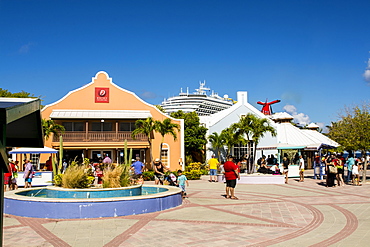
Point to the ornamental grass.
(116, 176)
(76, 176)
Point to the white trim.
(99, 114)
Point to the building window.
(101, 126)
(95, 126)
(240, 150)
(165, 155)
(74, 126)
(127, 126)
(35, 160)
(107, 126)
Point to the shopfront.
(99, 118)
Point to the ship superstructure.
(199, 101)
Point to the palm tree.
(145, 126)
(166, 128)
(244, 130)
(260, 126)
(217, 142)
(50, 127)
(230, 138)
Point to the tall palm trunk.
(60, 154)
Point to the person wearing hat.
(159, 171)
(231, 174)
(28, 174)
(138, 168)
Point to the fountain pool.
(60, 203)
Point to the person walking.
(301, 169)
(181, 180)
(231, 174)
(28, 174)
(138, 168)
(286, 162)
(350, 162)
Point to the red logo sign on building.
(101, 95)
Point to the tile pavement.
(294, 214)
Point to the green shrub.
(204, 171)
(193, 166)
(193, 175)
(58, 180)
(148, 175)
(125, 179)
(76, 176)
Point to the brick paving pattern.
(294, 214)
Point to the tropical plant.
(76, 176)
(22, 94)
(352, 131)
(260, 126)
(118, 176)
(146, 127)
(217, 142)
(58, 179)
(111, 178)
(60, 155)
(50, 127)
(244, 130)
(194, 136)
(148, 175)
(166, 128)
(159, 107)
(194, 171)
(230, 139)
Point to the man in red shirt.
(231, 174)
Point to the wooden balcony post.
(86, 130)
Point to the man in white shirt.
(301, 168)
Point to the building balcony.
(101, 136)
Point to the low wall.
(70, 208)
(256, 178)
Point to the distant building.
(198, 101)
(289, 137)
(100, 116)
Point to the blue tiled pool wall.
(82, 210)
(92, 193)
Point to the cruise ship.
(199, 101)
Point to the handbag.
(333, 169)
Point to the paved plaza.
(294, 214)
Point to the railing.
(100, 136)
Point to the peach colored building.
(100, 116)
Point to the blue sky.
(312, 55)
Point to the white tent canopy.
(291, 137)
(23, 150)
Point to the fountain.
(60, 203)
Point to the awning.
(98, 114)
(45, 150)
(281, 146)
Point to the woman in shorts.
(286, 162)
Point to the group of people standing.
(335, 165)
(231, 172)
(10, 177)
(160, 170)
